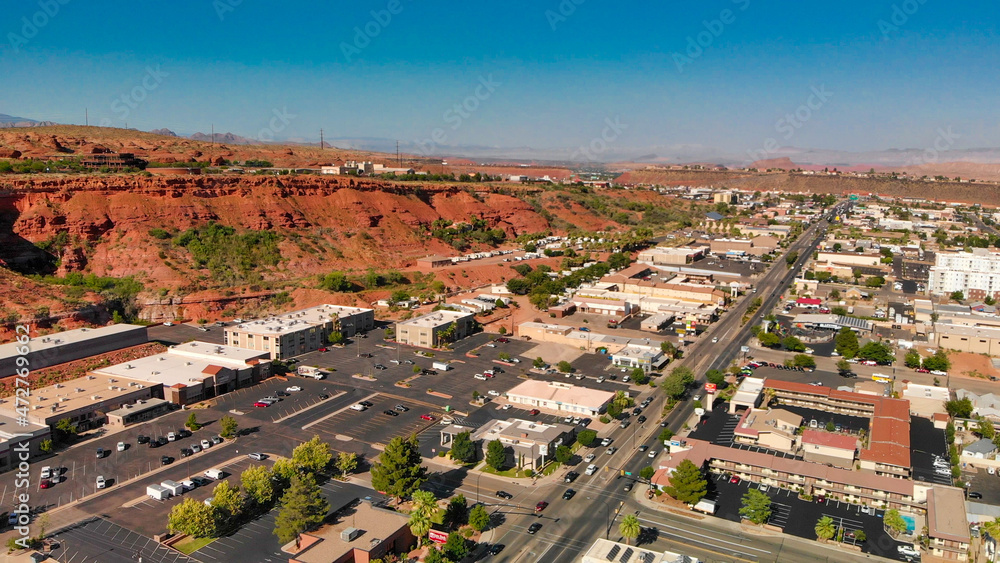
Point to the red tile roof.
(841, 441)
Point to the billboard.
(710, 387)
(437, 536)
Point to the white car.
(515, 361)
(195, 448)
(652, 453)
(293, 389)
(589, 458)
(591, 469)
(907, 550)
(46, 472)
(714, 340)
(205, 444)
(600, 379)
(568, 420)
(121, 446)
(505, 407)
(101, 483)
(480, 377)
(491, 345)
(168, 323)
(493, 393)
(189, 485)
(171, 436)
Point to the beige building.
(820, 446)
(84, 401)
(527, 443)
(563, 398)
(947, 523)
(359, 534)
(978, 340)
(773, 429)
(298, 332)
(674, 256)
(425, 331)
(849, 258)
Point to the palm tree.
(630, 528)
(825, 529)
(420, 526)
(992, 528)
(424, 505)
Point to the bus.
(881, 378)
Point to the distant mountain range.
(11, 121)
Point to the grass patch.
(512, 472)
(190, 544)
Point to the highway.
(570, 526)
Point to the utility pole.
(213, 135)
(86, 116)
(321, 145)
(399, 162)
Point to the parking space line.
(336, 412)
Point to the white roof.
(57, 339)
(437, 318)
(187, 367)
(297, 320)
(562, 393)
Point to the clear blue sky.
(558, 78)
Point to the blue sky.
(558, 70)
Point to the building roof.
(297, 320)
(946, 517)
(527, 430)
(831, 319)
(139, 406)
(981, 446)
(605, 551)
(55, 340)
(714, 216)
(829, 439)
(779, 421)
(435, 319)
(563, 393)
(809, 300)
(74, 394)
(218, 352)
(187, 364)
(326, 544)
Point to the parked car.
(45, 484)
(100, 453)
(534, 412)
(257, 456)
(401, 408)
(101, 482)
(426, 417)
(166, 460)
(195, 448)
(975, 495)
(390, 412)
(186, 452)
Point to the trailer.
(157, 492)
(443, 366)
(706, 506)
(175, 488)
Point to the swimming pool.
(911, 523)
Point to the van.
(215, 474)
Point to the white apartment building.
(976, 273)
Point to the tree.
(434, 556)
(647, 473)
(825, 528)
(227, 502)
(586, 437)
(985, 428)
(617, 261)
(284, 470)
(564, 454)
(302, 507)
(630, 528)
(791, 257)
(639, 376)
(874, 281)
(894, 522)
(538, 362)
(938, 362)
(399, 296)
(420, 525)
(192, 517)
(564, 367)
(496, 455)
(668, 349)
(769, 340)
(957, 296)
(192, 422)
(336, 281)
(843, 366)
(258, 485)
(673, 387)
(45, 446)
(312, 456)
(455, 547)
(803, 361)
(959, 408)
(878, 352)
(756, 506)
(335, 337)
(398, 472)
(992, 528)
(347, 462)
(834, 293)
(229, 426)
(837, 247)
(911, 359)
(371, 279)
(846, 343)
(424, 506)
(665, 435)
(479, 519)
(683, 373)
(66, 428)
(687, 484)
(717, 377)
(462, 448)
(457, 512)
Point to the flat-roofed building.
(748, 395)
(947, 523)
(16, 439)
(830, 321)
(434, 262)
(654, 323)
(560, 397)
(426, 331)
(648, 358)
(195, 371)
(359, 534)
(140, 411)
(671, 255)
(527, 443)
(298, 332)
(70, 345)
(826, 447)
(84, 401)
(610, 307)
(977, 340)
(605, 551)
(773, 429)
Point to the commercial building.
(648, 358)
(17, 440)
(140, 411)
(433, 262)
(609, 307)
(655, 323)
(426, 331)
(849, 258)
(83, 401)
(975, 339)
(832, 322)
(70, 345)
(564, 398)
(661, 255)
(947, 524)
(773, 429)
(585, 340)
(298, 332)
(118, 161)
(361, 534)
(976, 274)
(605, 551)
(528, 444)
(195, 371)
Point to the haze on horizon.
(715, 78)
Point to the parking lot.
(926, 442)
(100, 540)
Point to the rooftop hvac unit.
(46, 339)
(349, 534)
(141, 386)
(95, 397)
(63, 399)
(162, 358)
(187, 363)
(90, 377)
(154, 373)
(112, 380)
(79, 390)
(57, 341)
(58, 385)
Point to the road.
(570, 526)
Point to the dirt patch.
(977, 366)
(553, 353)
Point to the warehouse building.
(298, 332)
(70, 345)
(16, 438)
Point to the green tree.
(312, 456)
(192, 422)
(894, 522)
(45, 446)
(65, 427)
(874, 281)
(878, 352)
(398, 472)
(843, 366)
(846, 343)
(347, 462)
(938, 362)
(825, 528)
(687, 484)
(769, 340)
(335, 337)
(959, 408)
(564, 367)
(803, 361)
(683, 373)
(284, 470)
(756, 506)
(479, 519)
(538, 363)
(717, 377)
(455, 547)
(496, 455)
(673, 387)
(630, 528)
(665, 435)
(302, 507)
(399, 296)
(647, 473)
(834, 294)
(668, 349)
(462, 448)
(912, 359)
(371, 279)
(336, 281)
(229, 426)
(586, 437)
(424, 506)
(257, 483)
(228, 503)
(457, 512)
(434, 555)
(957, 296)
(192, 517)
(564, 454)
(985, 428)
(793, 344)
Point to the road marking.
(701, 534)
(336, 412)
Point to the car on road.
(101, 482)
(975, 495)
(257, 456)
(591, 469)
(568, 494)
(504, 495)
(611, 450)
(652, 453)
(496, 548)
(714, 340)
(643, 448)
(571, 476)
(636, 411)
(641, 419)
(534, 528)
(427, 417)
(606, 442)
(589, 458)
(390, 412)
(627, 487)
(625, 424)
(541, 506)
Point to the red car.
(503, 340)
(541, 506)
(923, 370)
(426, 417)
(534, 412)
(45, 484)
(322, 349)
(734, 479)
(262, 405)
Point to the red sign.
(437, 536)
(710, 387)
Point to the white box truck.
(443, 366)
(158, 492)
(310, 371)
(706, 506)
(175, 488)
